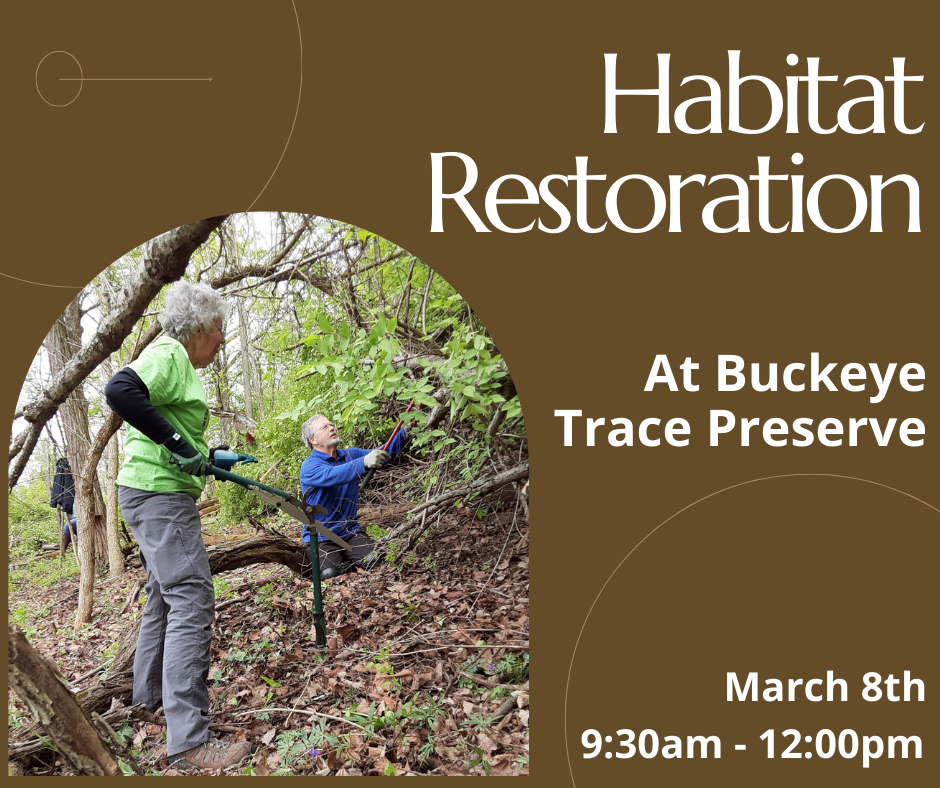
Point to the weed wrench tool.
(221, 460)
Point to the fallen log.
(98, 697)
(35, 557)
(49, 699)
(118, 713)
(209, 502)
(264, 547)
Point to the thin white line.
(740, 746)
(135, 79)
(43, 284)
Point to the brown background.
(790, 577)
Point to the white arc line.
(676, 514)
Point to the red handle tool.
(368, 476)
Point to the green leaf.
(426, 401)
(324, 322)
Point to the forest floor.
(426, 670)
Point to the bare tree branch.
(262, 269)
(165, 261)
(480, 485)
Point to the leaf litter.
(426, 669)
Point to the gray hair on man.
(307, 430)
(188, 307)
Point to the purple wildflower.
(314, 753)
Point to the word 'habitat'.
(735, 80)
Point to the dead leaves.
(401, 645)
(419, 680)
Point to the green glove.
(194, 466)
(185, 457)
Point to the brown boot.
(214, 754)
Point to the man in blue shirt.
(329, 477)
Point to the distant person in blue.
(67, 534)
(329, 477)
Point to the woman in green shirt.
(163, 402)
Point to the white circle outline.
(81, 74)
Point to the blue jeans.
(171, 665)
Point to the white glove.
(376, 458)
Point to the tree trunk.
(256, 371)
(246, 363)
(219, 365)
(63, 343)
(52, 704)
(48, 465)
(115, 556)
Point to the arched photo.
(269, 515)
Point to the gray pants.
(172, 661)
(335, 557)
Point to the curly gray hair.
(307, 430)
(188, 307)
